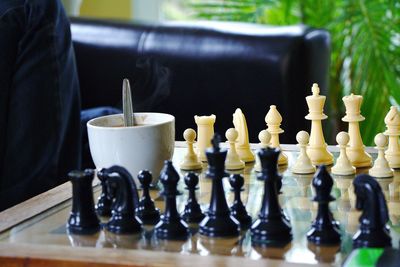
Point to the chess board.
(48, 227)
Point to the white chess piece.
(205, 132)
(233, 161)
(392, 121)
(242, 144)
(356, 152)
(381, 167)
(303, 163)
(190, 160)
(264, 136)
(317, 149)
(343, 165)
(274, 120)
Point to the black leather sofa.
(200, 68)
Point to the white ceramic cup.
(144, 146)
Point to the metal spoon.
(129, 119)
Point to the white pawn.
(381, 167)
(233, 161)
(190, 160)
(343, 165)
(303, 163)
(264, 136)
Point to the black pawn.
(171, 226)
(324, 229)
(374, 231)
(238, 210)
(218, 221)
(147, 211)
(271, 228)
(83, 219)
(104, 202)
(123, 216)
(192, 212)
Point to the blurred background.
(365, 56)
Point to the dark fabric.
(39, 99)
(200, 68)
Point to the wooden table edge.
(47, 255)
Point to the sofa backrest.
(203, 68)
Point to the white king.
(317, 149)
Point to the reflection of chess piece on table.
(356, 151)
(317, 148)
(303, 181)
(343, 165)
(205, 132)
(190, 160)
(381, 167)
(273, 252)
(130, 241)
(83, 240)
(265, 137)
(324, 253)
(242, 144)
(373, 231)
(83, 219)
(343, 183)
(233, 161)
(219, 246)
(384, 183)
(274, 120)
(303, 163)
(169, 245)
(392, 121)
(394, 211)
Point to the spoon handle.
(127, 104)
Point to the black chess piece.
(104, 201)
(238, 210)
(324, 230)
(192, 212)
(171, 226)
(373, 231)
(147, 211)
(83, 219)
(271, 228)
(123, 218)
(218, 221)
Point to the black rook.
(83, 218)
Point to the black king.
(218, 221)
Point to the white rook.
(205, 132)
